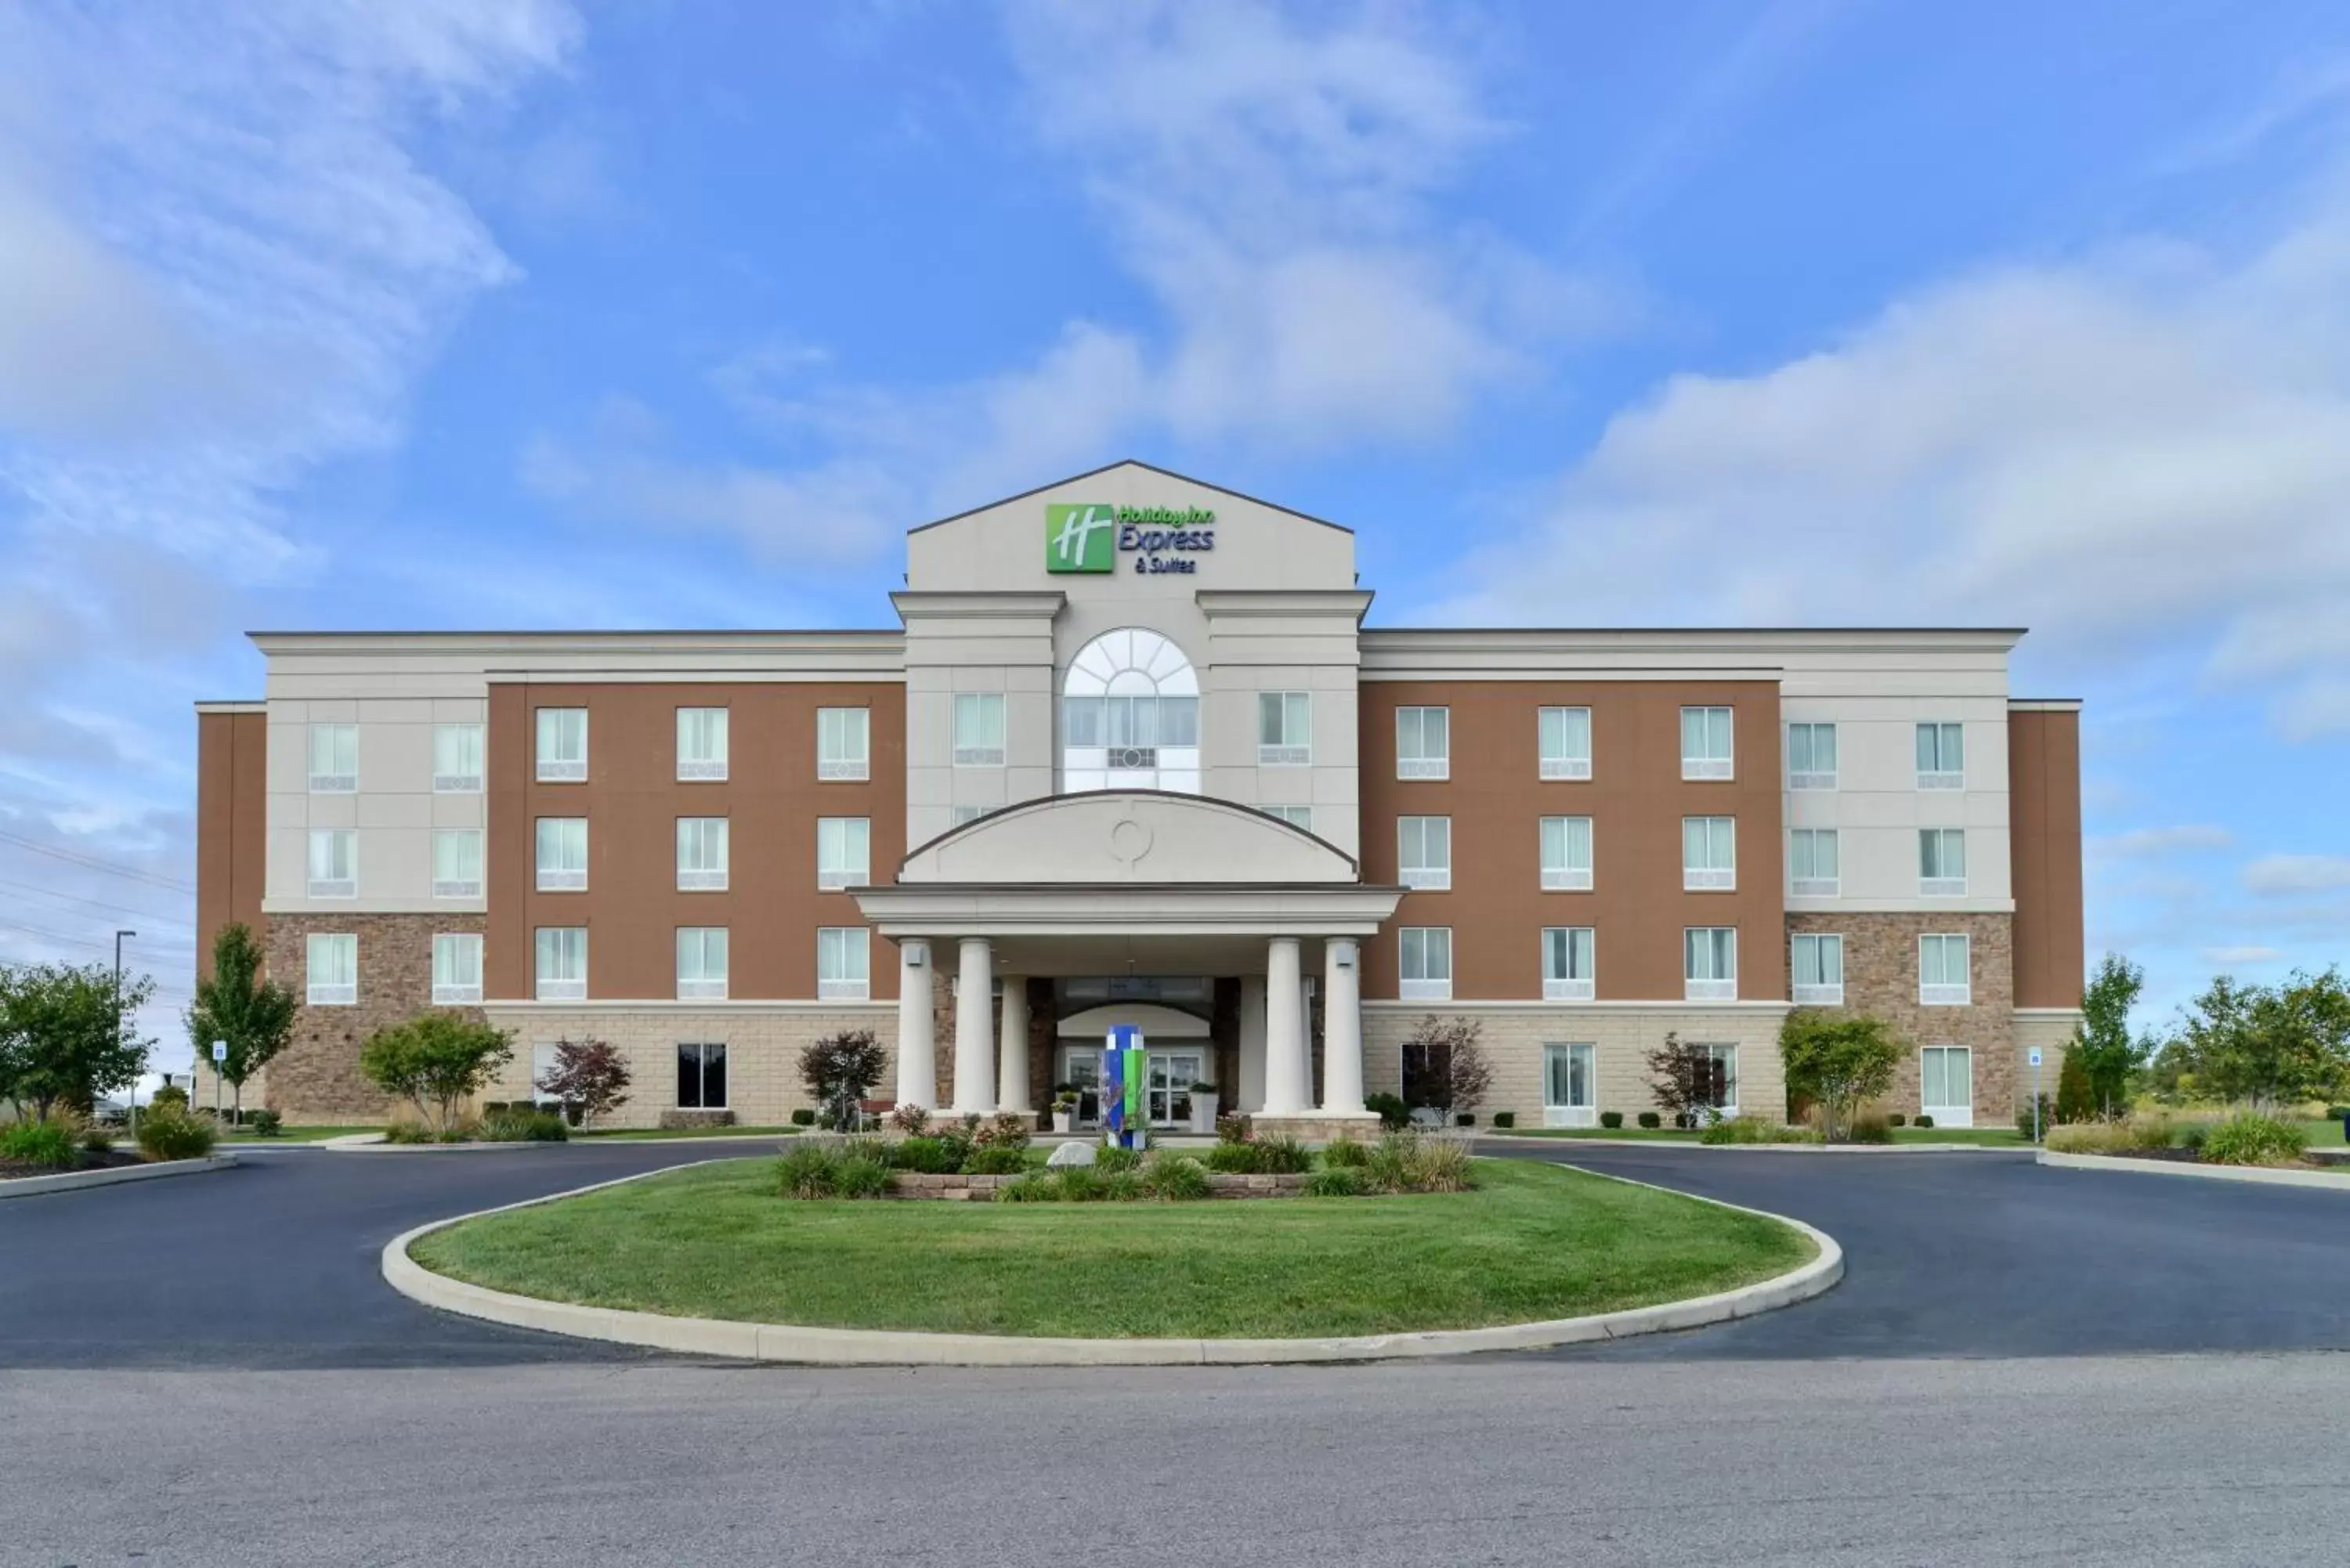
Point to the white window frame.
(1415, 758)
(1715, 871)
(555, 943)
(1424, 853)
(447, 880)
(1562, 874)
(336, 992)
(550, 761)
(1934, 846)
(1563, 763)
(836, 948)
(1562, 947)
(972, 726)
(1827, 950)
(1941, 743)
(1570, 1112)
(1803, 843)
(456, 954)
(1720, 983)
(958, 815)
(1298, 816)
(704, 854)
(1289, 717)
(331, 886)
(340, 741)
(1433, 941)
(844, 852)
(1951, 1114)
(1704, 764)
(694, 945)
(703, 745)
(553, 841)
(844, 744)
(460, 756)
(1945, 991)
(1811, 775)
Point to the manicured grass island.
(1531, 1241)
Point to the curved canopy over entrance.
(1129, 837)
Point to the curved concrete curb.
(880, 1347)
(76, 1181)
(374, 1143)
(2254, 1173)
(1524, 1141)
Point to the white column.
(918, 1067)
(1251, 1043)
(974, 1042)
(1342, 1028)
(1287, 1091)
(1012, 1047)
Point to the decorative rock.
(1070, 1154)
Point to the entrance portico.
(1133, 883)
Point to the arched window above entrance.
(1130, 715)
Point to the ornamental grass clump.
(175, 1135)
(859, 1176)
(2125, 1137)
(1334, 1182)
(996, 1160)
(1112, 1156)
(1755, 1129)
(47, 1142)
(1419, 1162)
(2251, 1138)
(808, 1170)
(1176, 1179)
(1344, 1154)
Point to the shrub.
(808, 1170)
(1897, 1118)
(2076, 1099)
(1393, 1114)
(265, 1124)
(2112, 1138)
(588, 1078)
(1236, 1158)
(1283, 1156)
(1176, 1180)
(435, 1061)
(1444, 1065)
(924, 1155)
(1611, 1119)
(860, 1176)
(2023, 1123)
(2250, 1138)
(803, 1116)
(1120, 1187)
(1344, 1154)
(996, 1160)
(958, 1145)
(1112, 1156)
(1869, 1127)
(2337, 1113)
(1006, 1129)
(1505, 1118)
(2194, 1135)
(409, 1132)
(1339, 1181)
(1082, 1183)
(1923, 1121)
(172, 1136)
(1837, 1061)
(1465, 1119)
(48, 1142)
(170, 1095)
(840, 1069)
(1036, 1186)
(1752, 1129)
(910, 1119)
(1651, 1120)
(522, 1124)
(1232, 1127)
(1409, 1162)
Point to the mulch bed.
(12, 1169)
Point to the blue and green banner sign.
(1124, 1080)
(1092, 536)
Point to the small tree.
(2102, 1044)
(840, 1069)
(1841, 1061)
(66, 1034)
(589, 1078)
(1444, 1066)
(2076, 1101)
(252, 1015)
(435, 1061)
(1688, 1081)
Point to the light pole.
(133, 1117)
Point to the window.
(1946, 1086)
(456, 969)
(1705, 744)
(1710, 963)
(979, 730)
(1942, 756)
(1424, 851)
(1942, 861)
(1567, 963)
(1427, 963)
(1423, 742)
(1943, 977)
(1720, 1089)
(542, 1057)
(843, 744)
(1285, 729)
(841, 956)
(1570, 1092)
(1565, 736)
(457, 759)
(1819, 969)
(331, 965)
(701, 964)
(1130, 715)
(1709, 854)
(334, 759)
(561, 745)
(1812, 868)
(1811, 756)
(562, 973)
(701, 854)
(1297, 816)
(334, 863)
(962, 813)
(562, 855)
(701, 743)
(843, 851)
(1566, 854)
(702, 1077)
(456, 862)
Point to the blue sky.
(513, 312)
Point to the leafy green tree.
(2270, 1046)
(253, 1015)
(67, 1035)
(2102, 1044)
(2076, 1099)
(1839, 1061)
(436, 1062)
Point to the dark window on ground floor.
(702, 1077)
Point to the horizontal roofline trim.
(1403, 632)
(233, 705)
(2044, 704)
(1128, 463)
(706, 634)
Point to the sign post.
(2035, 1093)
(219, 1054)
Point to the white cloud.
(2222, 958)
(2155, 842)
(2288, 875)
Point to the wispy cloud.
(2290, 875)
(2155, 842)
(2225, 958)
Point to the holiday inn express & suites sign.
(1088, 536)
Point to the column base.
(1318, 1126)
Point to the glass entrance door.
(1569, 1097)
(1173, 1073)
(1083, 1068)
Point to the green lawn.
(1995, 1137)
(1533, 1241)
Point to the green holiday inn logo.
(1080, 536)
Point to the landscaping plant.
(522, 1124)
(1686, 1080)
(1393, 1114)
(2251, 1138)
(1339, 1181)
(1444, 1066)
(1753, 1129)
(996, 1160)
(808, 1170)
(1344, 1154)
(68, 1035)
(1839, 1061)
(2269, 1045)
(47, 1141)
(589, 1078)
(1112, 1156)
(840, 1069)
(175, 1135)
(1651, 1120)
(1175, 1178)
(1611, 1120)
(2109, 1054)
(238, 1006)
(436, 1062)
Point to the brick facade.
(1880, 978)
(318, 1077)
